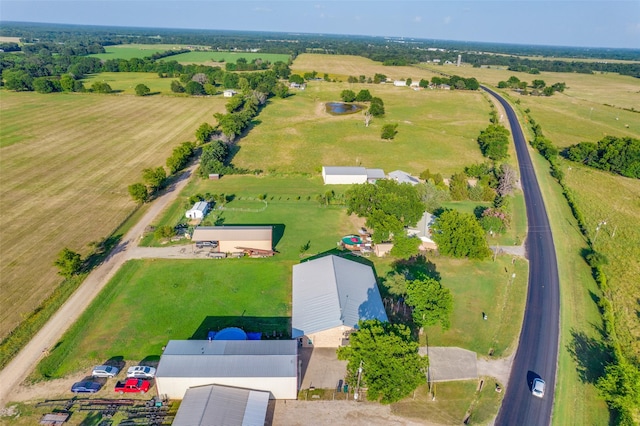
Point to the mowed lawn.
(67, 160)
(149, 302)
(437, 130)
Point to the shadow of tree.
(590, 356)
(416, 267)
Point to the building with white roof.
(222, 405)
(264, 365)
(198, 211)
(422, 230)
(330, 295)
(337, 175)
(403, 177)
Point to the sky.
(580, 23)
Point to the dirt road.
(22, 365)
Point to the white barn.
(198, 211)
(264, 365)
(399, 83)
(229, 93)
(336, 175)
(330, 296)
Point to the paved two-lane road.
(537, 352)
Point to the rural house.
(198, 211)
(264, 365)
(422, 230)
(403, 177)
(215, 404)
(330, 295)
(335, 175)
(230, 239)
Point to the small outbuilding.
(229, 93)
(233, 238)
(222, 405)
(330, 295)
(265, 365)
(422, 230)
(198, 211)
(337, 175)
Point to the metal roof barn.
(231, 237)
(216, 405)
(267, 365)
(332, 292)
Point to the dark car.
(86, 387)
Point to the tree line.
(620, 155)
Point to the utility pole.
(355, 395)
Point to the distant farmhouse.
(403, 177)
(333, 175)
(198, 211)
(330, 295)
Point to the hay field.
(436, 130)
(67, 160)
(340, 67)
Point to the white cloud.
(417, 19)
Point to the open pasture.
(604, 197)
(212, 57)
(67, 160)
(437, 130)
(130, 51)
(340, 67)
(126, 82)
(591, 107)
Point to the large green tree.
(431, 303)
(387, 205)
(142, 90)
(138, 192)
(154, 178)
(620, 387)
(348, 95)
(388, 355)
(494, 142)
(68, 262)
(459, 234)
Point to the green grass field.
(137, 313)
(130, 51)
(436, 130)
(126, 82)
(67, 160)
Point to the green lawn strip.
(580, 355)
(136, 314)
(451, 403)
(479, 287)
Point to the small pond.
(342, 108)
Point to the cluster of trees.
(494, 142)
(213, 158)
(384, 358)
(459, 235)
(387, 206)
(538, 87)
(389, 131)
(180, 157)
(242, 64)
(620, 155)
(455, 82)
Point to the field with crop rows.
(67, 160)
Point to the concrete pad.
(321, 368)
(450, 363)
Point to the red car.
(132, 386)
